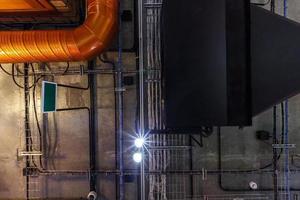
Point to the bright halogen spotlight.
(137, 157)
(139, 142)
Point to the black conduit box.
(206, 52)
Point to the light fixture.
(139, 142)
(137, 157)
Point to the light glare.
(139, 142)
(137, 157)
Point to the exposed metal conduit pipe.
(275, 139)
(119, 116)
(286, 150)
(27, 125)
(154, 172)
(275, 155)
(141, 92)
(81, 43)
(92, 126)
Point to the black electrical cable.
(67, 68)
(38, 124)
(36, 80)
(73, 87)
(29, 140)
(275, 154)
(19, 71)
(6, 72)
(106, 61)
(36, 115)
(13, 76)
(16, 83)
(52, 152)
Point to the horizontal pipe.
(152, 172)
(78, 72)
(169, 148)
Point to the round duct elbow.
(81, 43)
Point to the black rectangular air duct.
(226, 61)
(206, 63)
(275, 52)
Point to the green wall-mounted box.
(49, 97)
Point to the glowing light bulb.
(137, 157)
(139, 142)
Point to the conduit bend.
(81, 43)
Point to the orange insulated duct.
(81, 43)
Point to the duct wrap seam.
(81, 43)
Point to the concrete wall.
(67, 135)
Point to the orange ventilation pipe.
(81, 43)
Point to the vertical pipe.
(92, 126)
(286, 152)
(275, 140)
(191, 167)
(138, 111)
(44, 135)
(285, 8)
(119, 126)
(26, 122)
(141, 67)
(119, 107)
(141, 92)
(286, 136)
(275, 155)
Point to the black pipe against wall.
(119, 120)
(119, 103)
(92, 125)
(74, 87)
(26, 121)
(275, 155)
(45, 128)
(116, 139)
(275, 140)
(137, 111)
(191, 166)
